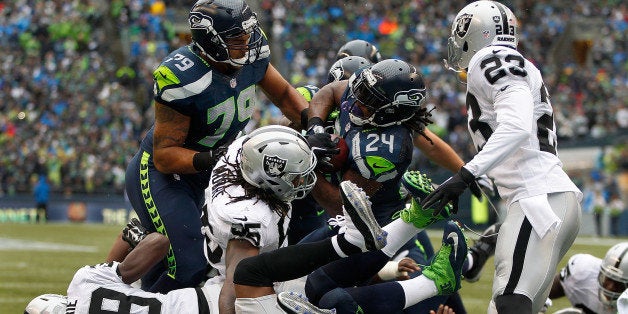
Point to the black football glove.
(450, 191)
(134, 232)
(324, 148)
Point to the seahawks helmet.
(345, 67)
(614, 269)
(214, 22)
(47, 304)
(392, 90)
(278, 159)
(479, 24)
(308, 91)
(361, 48)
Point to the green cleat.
(446, 267)
(419, 186)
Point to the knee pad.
(339, 299)
(513, 303)
(318, 283)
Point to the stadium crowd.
(76, 77)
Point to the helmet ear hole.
(465, 47)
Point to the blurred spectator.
(76, 79)
(42, 196)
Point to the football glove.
(450, 191)
(324, 148)
(134, 232)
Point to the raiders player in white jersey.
(512, 126)
(246, 202)
(593, 285)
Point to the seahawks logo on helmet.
(412, 97)
(201, 21)
(462, 24)
(274, 166)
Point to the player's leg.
(441, 277)
(525, 263)
(481, 250)
(361, 233)
(169, 206)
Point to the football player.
(247, 212)
(205, 94)
(591, 284)
(511, 123)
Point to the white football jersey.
(512, 126)
(579, 281)
(99, 289)
(225, 219)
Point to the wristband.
(390, 271)
(466, 176)
(203, 161)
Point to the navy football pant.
(170, 205)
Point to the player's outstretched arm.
(143, 257)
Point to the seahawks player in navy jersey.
(204, 96)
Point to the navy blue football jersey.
(219, 106)
(378, 153)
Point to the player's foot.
(446, 267)
(362, 230)
(419, 186)
(297, 303)
(483, 248)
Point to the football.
(339, 160)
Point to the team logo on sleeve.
(462, 24)
(274, 166)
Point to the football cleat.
(361, 228)
(297, 303)
(483, 248)
(446, 266)
(420, 186)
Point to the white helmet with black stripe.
(477, 25)
(613, 277)
(278, 159)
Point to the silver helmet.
(47, 304)
(278, 159)
(613, 277)
(479, 24)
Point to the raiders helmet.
(479, 24)
(345, 67)
(613, 277)
(278, 159)
(214, 22)
(47, 304)
(392, 90)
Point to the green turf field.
(39, 259)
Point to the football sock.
(399, 232)
(417, 289)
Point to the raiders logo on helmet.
(462, 24)
(274, 166)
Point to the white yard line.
(27, 245)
